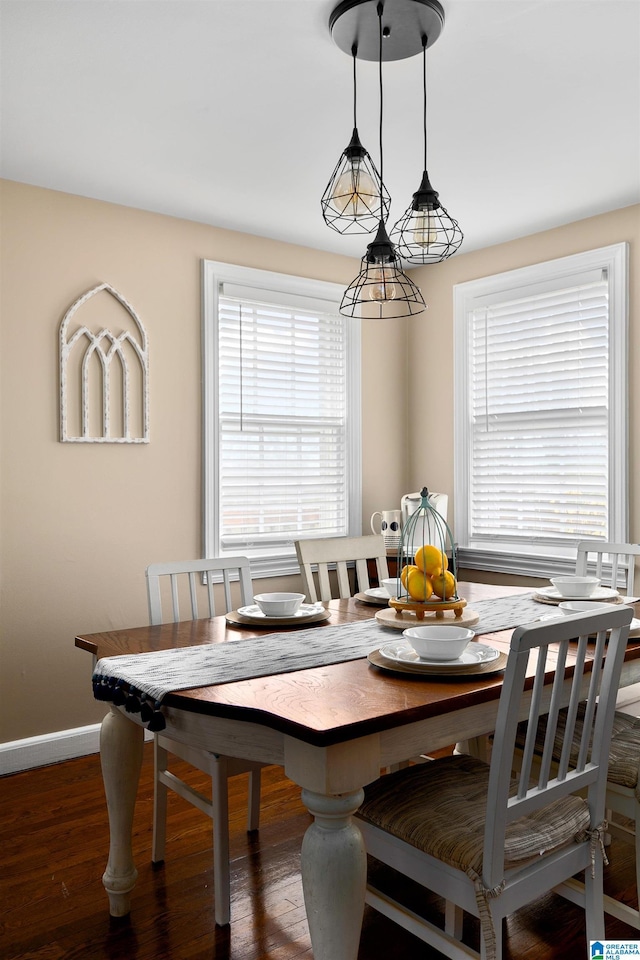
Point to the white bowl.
(581, 587)
(439, 642)
(571, 607)
(279, 604)
(393, 586)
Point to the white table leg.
(121, 757)
(334, 875)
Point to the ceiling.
(234, 112)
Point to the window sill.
(524, 565)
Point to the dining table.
(332, 727)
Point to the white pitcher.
(390, 527)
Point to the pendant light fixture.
(381, 290)
(355, 197)
(426, 233)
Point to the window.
(281, 415)
(541, 412)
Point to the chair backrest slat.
(191, 573)
(555, 706)
(567, 642)
(534, 710)
(344, 587)
(192, 596)
(226, 580)
(572, 714)
(211, 598)
(175, 603)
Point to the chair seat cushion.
(439, 807)
(624, 758)
(624, 755)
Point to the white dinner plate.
(378, 593)
(402, 652)
(304, 610)
(600, 593)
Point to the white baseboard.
(49, 748)
(17, 755)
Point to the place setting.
(571, 595)
(438, 651)
(576, 588)
(283, 609)
(379, 596)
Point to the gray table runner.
(166, 671)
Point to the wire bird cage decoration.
(427, 568)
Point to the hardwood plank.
(54, 843)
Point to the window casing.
(541, 412)
(282, 433)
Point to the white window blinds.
(541, 411)
(283, 447)
(539, 384)
(282, 415)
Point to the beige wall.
(80, 522)
(430, 347)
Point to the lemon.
(431, 560)
(444, 585)
(418, 585)
(404, 573)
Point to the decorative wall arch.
(124, 349)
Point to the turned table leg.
(121, 743)
(334, 875)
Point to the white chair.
(184, 580)
(615, 563)
(486, 843)
(340, 552)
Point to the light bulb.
(426, 229)
(355, 193)
(381, 290)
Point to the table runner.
(139, 682)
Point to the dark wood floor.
(53, 849)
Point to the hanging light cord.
(424, 90)
(354, 52)
(379, 10)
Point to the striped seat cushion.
(624, 755)
(439, 807)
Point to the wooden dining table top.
(327, 704)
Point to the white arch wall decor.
(101, 357)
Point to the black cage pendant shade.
(426, 233)
(355, 197)
(381, 290)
